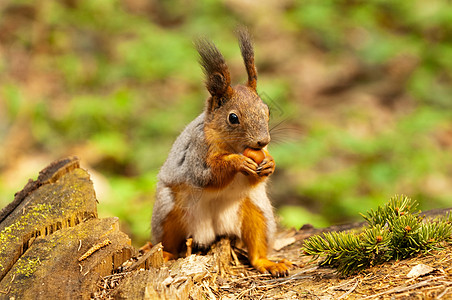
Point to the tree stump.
(46, 230)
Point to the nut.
(256, 155)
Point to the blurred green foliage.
(359, 93)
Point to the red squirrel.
(213, 182)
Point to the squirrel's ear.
(246, 47)
(218, 79)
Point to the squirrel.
(208, 187)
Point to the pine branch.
(394, 231)
(397, 206)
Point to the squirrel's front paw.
(249, 167)
(266, 163)
(266, 167)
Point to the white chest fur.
(213, 213)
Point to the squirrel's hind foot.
(279, 269)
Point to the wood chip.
(419, 270)
(94, 249)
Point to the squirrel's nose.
(261, 143)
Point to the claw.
(266, 167)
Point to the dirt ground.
(308, 280)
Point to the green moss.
(27, 266)
(9, 234)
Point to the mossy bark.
(66, 202)
(50, 268)
(47, 229)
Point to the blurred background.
(360, 97)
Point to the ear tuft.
(218, 79)
(246, 47)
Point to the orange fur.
(224, 167)
(174, 233)
(255, 238)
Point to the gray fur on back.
(185, 164)
(186, 160)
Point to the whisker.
(282, 132)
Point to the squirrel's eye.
(233, 119)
